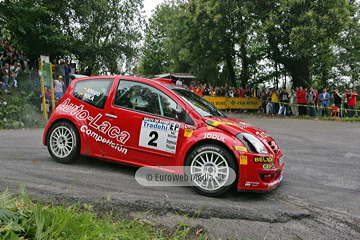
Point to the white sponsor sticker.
(159, 134)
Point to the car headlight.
(252, 142)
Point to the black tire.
(214, 161)
(63, 142)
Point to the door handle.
(110, 115)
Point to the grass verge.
(22, 218)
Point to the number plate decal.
(159, 134)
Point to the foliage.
(20, 108)
(222, 42)
(22, 218)
(37, 31)
(102, 35)
(161, 52)
(301, 35)
(106, 34)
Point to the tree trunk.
(299, 71)
(244, 76)
(229, 64)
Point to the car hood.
(235, 126)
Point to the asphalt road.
(318, 198)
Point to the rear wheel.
(212, 170)
(63, 142)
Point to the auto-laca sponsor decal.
(112, 135)
(159, 134)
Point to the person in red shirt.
(335, 111)
(301, 100)
(241, 92)
(351, 102)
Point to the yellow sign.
(263, 159)
(234, 102)
(243, 103)
(188, 132)
(241, 149)
(243, 160)
(219, 102)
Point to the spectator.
(206, 91)
(247, 93)
(264, 97)
(25, 60)
(73, 68)
(54, 67)
(284, 99)
(351, 102)
(293, 103)
(212, 92)
(179, 82)
(263, 89)
(241, 92)
(231, 92)
(256, 92)
(47, 95)
(301, 100)
(274, 101)
(199, 90)
(60, 70)
(337, 99)
(3, 87)
(7, 76)
(15, 69)
(334, 111)
(67, 72)
(59, 85)
(324, 98)
(6, 57)
(310, 98)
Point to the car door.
(152, 121)
(90, 96)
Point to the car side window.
(143, 97)
(93, 92)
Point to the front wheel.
(212, 170)
(63, 142)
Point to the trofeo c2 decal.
(95, 126)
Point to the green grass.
(23, 218)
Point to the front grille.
(274, 146)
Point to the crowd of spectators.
(298, 102)
(12, 61)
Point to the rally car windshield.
(200, 105)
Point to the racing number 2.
(154, 135)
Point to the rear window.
(93, 92)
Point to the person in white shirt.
(179, 82)
(59, 84)
(15, 69)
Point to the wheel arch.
(213, 142)
(63, 120)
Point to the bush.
(21, 107)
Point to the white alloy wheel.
(209, 170)
(62, 141)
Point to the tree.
(163, 45)
(35, 31)
(302, 33)
(103, 35)
(106, 33)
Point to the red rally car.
(143, 122)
